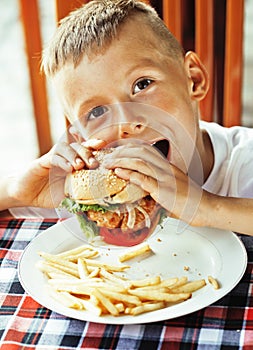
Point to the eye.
(141, 85)
(97, 112)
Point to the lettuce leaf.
(89, 228)
(74, 207)
(163, 216)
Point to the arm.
(228, 213)
(41, 184)
(30, 187)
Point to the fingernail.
(79, 161)
(93, 162)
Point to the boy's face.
(133, 90)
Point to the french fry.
(93, 300)
(60, 275)
(150, 281)
(180, 282)
(66, 299)
(106, 302)
(126, 298)
(85, 254)
(156, 288)
(120, 307)
(91, 307)
(113, 278)
(130, 254)
(82, 268)
(115, 268)
(159, 296)
(189, 287)
(76, 251)
(213, 282)
(48, 266)
(62, 264)
(146, 308)
(94, 272)
(169, 282)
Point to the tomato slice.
(124, 238)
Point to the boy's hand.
(42, 183)
(144, 166)
(75, 156)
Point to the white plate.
(205, 251)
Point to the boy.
(123, 79)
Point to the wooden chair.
(218, 41)
(213, 30)
(30, 18)
(31, 24)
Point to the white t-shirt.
(232, 173)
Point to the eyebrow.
(84, 105)
(144, 61)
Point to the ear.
(198, 76)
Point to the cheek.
(108, 133)
(181, 122)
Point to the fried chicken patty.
(119, 219)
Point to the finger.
(136, 164)
(67, 152)
(123, 157)
(163, 193)
(148, 184)
(50, 160)
(94, 144)
(85, 155)
(74, 135)
(60, 162)
(85, 151)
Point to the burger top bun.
(101, 185)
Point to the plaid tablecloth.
(25, 324)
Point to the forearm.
(234, 214)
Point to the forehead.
(135, 36)
(135, 49)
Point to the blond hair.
(90, 28)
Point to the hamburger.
(108, 207)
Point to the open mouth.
(163, 146)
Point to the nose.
(130, 129)
(131, 122)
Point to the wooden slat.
(64, 7)
(204, 46)
(233, 63)
(173, 16)
(31, 25)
